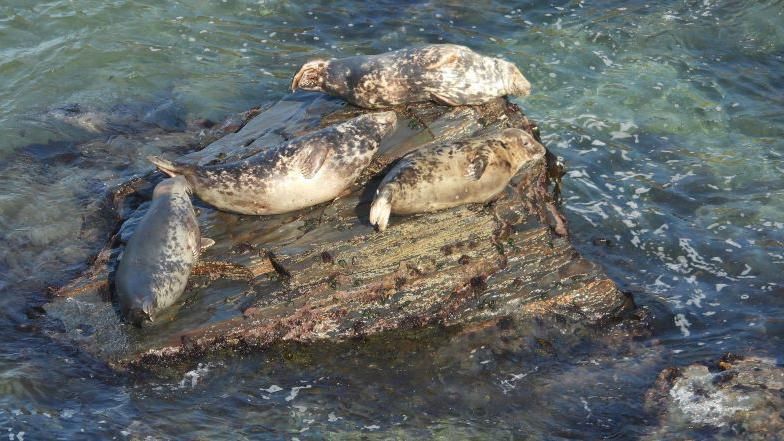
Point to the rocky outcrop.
(325, 273)
(738, 398)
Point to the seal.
(159, 256)
(447, 175)
(445, 73)
(295, 174)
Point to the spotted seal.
(159, 256)
(448, 175)
(445, 73)
(295, 174)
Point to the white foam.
(193, 377)
(715, 407)
(272, 389)
(295, 391)
(683, 323)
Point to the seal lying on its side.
(158, 258)
(296, 174)
(445, 73)
(448, 175)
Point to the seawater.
(668, 115)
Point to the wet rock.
(75, 115)
(735, 399)
(166, 115)
(324, 273)
(35, 312)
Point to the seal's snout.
(310, 76)
(534, 149)
(527, 146)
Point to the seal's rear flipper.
(166, 166)
(380, 211)
(444, 101)
(310, 76)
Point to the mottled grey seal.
(299, 173)
(445, 73)
(448, 175)
(159, 256)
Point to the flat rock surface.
(325, 273)
(740, 398)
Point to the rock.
(739, 398)
(325, 274)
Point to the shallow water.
(668, 115)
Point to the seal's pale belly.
(442, 195)
(280, 195)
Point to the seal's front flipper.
(206, 242)
(476, 168)
(440, 99)
(477, 164)
(310, 159)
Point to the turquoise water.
(668, 115)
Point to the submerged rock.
(123, 118)
(742, 399)
(324, 273)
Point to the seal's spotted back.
(445, 73)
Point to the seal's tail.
(380, 211)
(169, 167)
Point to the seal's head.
(524, 146)
(311, 76)
(516, 83)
